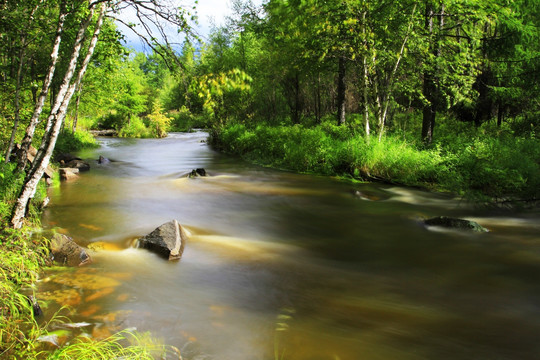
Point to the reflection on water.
(293, 266)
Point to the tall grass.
(122, 345)
(483, 165)
(22, 259)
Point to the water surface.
(294, 265)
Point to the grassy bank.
(481, 164)
(23, 256)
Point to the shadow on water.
(303, 266)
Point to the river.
(289, 266)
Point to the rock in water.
(78, 164)
(68, 173)
(197, 172)
(65, 251)
(453, 223)
(167, 241)
(103, 160)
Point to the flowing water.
(288, 266)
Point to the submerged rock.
(454, 223)
(66, 251)
(167, 241)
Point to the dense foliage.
(439, 94)
(50, 53)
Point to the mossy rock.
(454, 223)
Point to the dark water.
(289, 266)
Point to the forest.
(442, 95)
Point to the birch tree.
(151, 14)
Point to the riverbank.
(487, 166)
(25, 332)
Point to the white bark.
(27, 140)
(366, 78)
(388, 95)
(54, 123)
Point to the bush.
(184, 120)
(135, 129)
(10, 185)
(69, 141)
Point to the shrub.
(185, 120)
(69, 141)
(135, 129)
(10, 184)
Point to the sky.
(209, 12)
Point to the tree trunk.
(366, 78)
(341, 88)
(297, 100)
(365, 97)
(29, 135)
(499, 113)
(54, 123)
(64, 87)
(77, 104)
(20, 75)
(429, 87)
(389, 88)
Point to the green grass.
(22, 259)
(486, 164)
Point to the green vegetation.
(50, 53)
(485, 167)
(441, 95)
(69, 142)
(438, 94)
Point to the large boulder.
(31, 155)
(167, 241)
(454, 223)
(66, 251)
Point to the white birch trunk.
(27, 140)
(54, 124)
(366, 78)
(384, 113)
